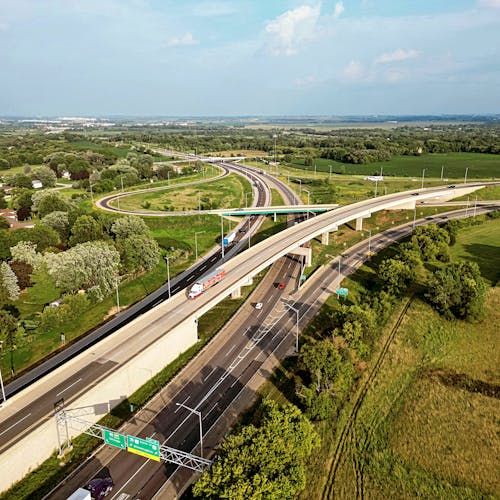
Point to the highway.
(21, 416)
(217, 377)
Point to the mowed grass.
(227, 192)
(480, 166)
(481, 244)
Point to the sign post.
(342, 292)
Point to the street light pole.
(370, 242)
(423, 176)
(296, 311)
(442, 171)
(249, 234)
(466, 170)
(196, 412)
(196, 243)
(331, 171)
(246, 199)
(4, 399)
(415, 216)
(168, 273)
(308, 200)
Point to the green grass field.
(480, 166)
(227, 192)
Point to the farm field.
(481, 166)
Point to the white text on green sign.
(148, 448)
(114, 439)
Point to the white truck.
(206, 282)
(229, 239)
(80, 494)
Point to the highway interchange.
(212, 381)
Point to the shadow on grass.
(487, 258)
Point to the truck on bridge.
(229, 239)
(206, 282)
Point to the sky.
(249, 57)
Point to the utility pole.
(466, 170)
(196, 243)
(167, 262)
(331, 171)
(222, 236)
(423, 176)
(442, 171)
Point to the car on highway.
(414, 194)
(451, 186)
(281, 286)
(259, 305)
(241, 230)
(100, 487)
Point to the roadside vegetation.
(400, 404)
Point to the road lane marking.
(211, 409)
(229, 352)
(69, 387)
(207, 377)
(13, 425)
(184, 402)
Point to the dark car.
(414, 194)
(100, 487)
(451, 186)
(241, 231)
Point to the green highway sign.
(114, 439)
(303, 277)
(344, 292)
(148, 448)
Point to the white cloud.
(354, 71)
(491, 4)
(308, 81)
(289, 30)
(396, 56)
(339, 9)
(182, 41)
(215, 9)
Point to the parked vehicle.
(258, 305)
(229, 239)
(206, 282)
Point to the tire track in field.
(347, 434)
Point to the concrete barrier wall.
(32, 450)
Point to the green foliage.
(46, 202)
(130, 225)
(396, 275)
(23, 273)
(458, 291)
(138, 253)
(85, 228)
(58, 221)
(41, 235)
(432, 241)
(45, 175)
(22, 203)
(262, 461)
(53, 319)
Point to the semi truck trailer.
(206, 282)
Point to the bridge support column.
(249, 282)
(325, 237)
(236, 294)
(303, 252)
(274, 217)
(359, 224)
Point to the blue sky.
(249, 57)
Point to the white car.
(258, 305)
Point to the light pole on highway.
(369, 242)
(249, 234)
(196, 243)
(414, 216)
(465, 179)
(308, 200)
(296, 311)
(117, 292)
(196, 412)
(246, 199)
(199, 202)
(4, 399)
(300, 184)
(475, 206)
(167, 262)
(442, 171)
(331, 171)
(423, 177)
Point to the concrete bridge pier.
(325, 237)
(236, 293)
(274, 217)
(359, 224)
(303, 252)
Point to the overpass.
(152, 340)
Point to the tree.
(23, 273)
(25, 251)
(58, 221)
(129, 226)
(138, 253)
(22, 203)
(8, 331)
(45, 175)
(85, 228)
(79, 169)
(262, 461)
(91, 265)
(9, 289)
(46, 202)
(458, 290)
(395, 275)
(42, 236)
(3, 201)
(432, 242)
